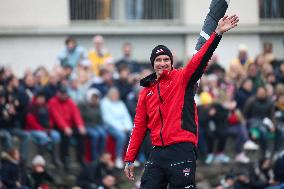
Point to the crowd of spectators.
(245, 103)
(88, 98)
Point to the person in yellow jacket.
(243, 57)
(98, 55)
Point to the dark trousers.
(65, 145)
(218, 138)
(255, 123)
(172, 166)
(279, 136)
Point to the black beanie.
(160, 50)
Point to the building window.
(158, 9)
(271, 9)
(83, 10)
(90, 9)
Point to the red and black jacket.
(166, 105)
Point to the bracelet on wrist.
(129, 163)
(218, 33)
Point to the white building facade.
(32, 32)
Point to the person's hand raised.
(226, 23)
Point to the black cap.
(40, 92)
(160, 50)
(62, 89)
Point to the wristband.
(218, 33)
(129, 163)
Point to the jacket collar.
(8, 157)
(150, 79)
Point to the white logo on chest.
(150, 93)
(159, 51)
(168, 84)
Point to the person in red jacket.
(166, 107)
(39, 126)
(66, 118)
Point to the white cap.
(243, 47)
(85, 63)
(109, 60)
(91, 92)
(212, 77)
(38, 160)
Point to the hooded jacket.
(64, 113)
(37, 117)
(166, 105)
(12, 172)
(91, 114)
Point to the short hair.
(97, 38)
(40, 93)
(127, 44)
(70, 39)
(10, 78)
(123, 67)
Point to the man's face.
(252, 71)
(40, 100)
(63, 96)
(16, 155)
(98, 42)
(114, 95)
(161, 63)
(243, 55)
(30, 81)
(15, 82)
(248, 85)
(124, 74)
(261, 93)
(107, 76)
(127, 50)
(267, 47)
(281, 99)
(53, 79)
(95, 99)
(71, 45)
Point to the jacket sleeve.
(77, 118)
(139, 129)
(272, 112)
(196, 66)
(32, 123)
(9, 182)
(248, 107)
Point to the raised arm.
(196, 66)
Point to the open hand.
(68, 131)
(129, 171)
(82, 130)
(226, 23)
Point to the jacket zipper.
(161, 115)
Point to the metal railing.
(271, 9)
(127, 10)
(90, 9)
(124, 10)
